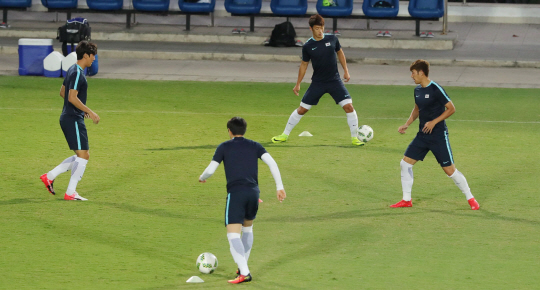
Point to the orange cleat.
(48, 183)
(403, 203)
(241, 279)
(474, 204)
(74, 196)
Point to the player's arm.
(209, 171)
(414, 114)
(74, 99)
(276, 174)
(301, 74)
(450, 110)
(343, 61)
(63, 91)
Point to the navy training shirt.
(75, 80)
(431, 102)
(240, 158)
(323, 58)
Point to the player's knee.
(301, 110)
(83, 154)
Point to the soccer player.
(240, 156)
(74, 93)
(321, 49)
(433, 106)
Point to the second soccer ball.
(365, 133)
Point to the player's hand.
(402, 129)
(428, 127)
(296, 89)
(94, 117)
(281, 195)
(346, 77)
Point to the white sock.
(63, 167)
(407, 179)
(293, 120)
(77, 171)
(237, 251)
(352, 120)
(247, 240)
(461, 182)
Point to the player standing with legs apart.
(240, 157)
(321, 49)
(74, 92)
(433, 106)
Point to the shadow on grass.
(20, 201)
(214, 146)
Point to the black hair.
(85, 47)
(237, 125)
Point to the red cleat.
(48, 183)
(241, 279)
(474, 204)
(403, 203)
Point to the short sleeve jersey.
(240, 159)
(431, 102)
(323, 58)
(75, 80)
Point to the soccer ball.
(365, 133)
(207, 263)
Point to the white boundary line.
(276, 115)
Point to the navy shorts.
(75, 133)
(436, 143)
(241, 205)
(316, 90)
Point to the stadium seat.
(426, 8)
(15, 3)
(289, 7)
(379, 12)
(245, 7)
(344, 8)
(151, 5)
(196, 7)
(105, 4)
(59, 4)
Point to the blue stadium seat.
(105, 4)
(289, 7)
(426, 8)
(196, 7)
(379, 12)
(151, 5)
(243, 6)
(59, 4)
(15, 3)
(344, 8)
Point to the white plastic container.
(53, 65)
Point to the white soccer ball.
(365, 133)
(207, 263)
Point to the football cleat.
(48, 183)
(403, 203)
(280, 139)
(474, 204)
(357, 142)
(241, 279)
(74, 196)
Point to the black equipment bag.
(283, 35)
(74, 31)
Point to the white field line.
(266, 115)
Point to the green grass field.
(147, 218)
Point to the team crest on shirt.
(427, 96)
(328, 44)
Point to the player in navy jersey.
(74, 92)
(321, 50)
(433, 106)
(240, 158)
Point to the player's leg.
(311, 98)
(247, 237)
(341, 96)
(234, 217)
(49, 177)
(417, 150)
(443, 153)
(81, 149)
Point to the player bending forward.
(433, 106)
(240, 157)
(74, 93)
(321, 49)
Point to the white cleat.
(74, 196)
